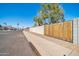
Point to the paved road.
(14, 43)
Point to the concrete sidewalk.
(48, 46)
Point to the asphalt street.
(14, 43)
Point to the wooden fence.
(61, 31)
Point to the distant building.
(27, 28)
(7, 28)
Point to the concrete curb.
(48, 48)
(34, 49)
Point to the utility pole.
(18, 26)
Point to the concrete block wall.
(76, 31)
(38, 29)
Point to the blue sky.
(24, 13)
(71, 10)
